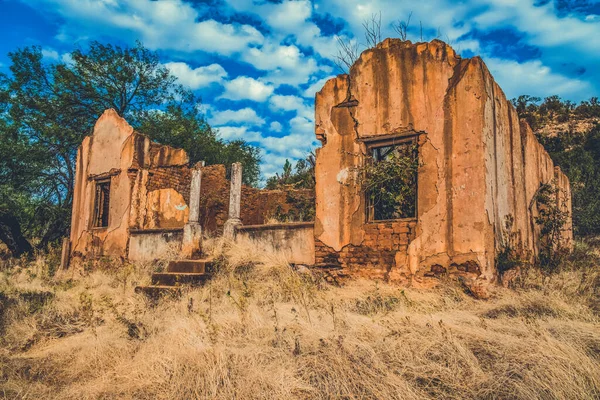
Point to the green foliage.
(552, 219)
(391, 183)
(552, 109)
(302, 208)
(181, 125)
(577, 154)
(303, 177)
(579, 158)
(512, 253)
(47, 108)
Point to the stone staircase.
(179, 274)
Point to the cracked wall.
(150, 195)
(149, 187)
(479, 164)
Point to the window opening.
(101, 204)
(391, 181)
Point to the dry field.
(260, 330)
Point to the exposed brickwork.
(177, 177)
(376, 256)
(257, 206)
(214, 198)
(260, 206)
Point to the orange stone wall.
(149, 187)
(479, 165)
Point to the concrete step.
(190, 266)
(157, 291)
(178, 278)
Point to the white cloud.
(288, 16)
(285, 103)
(245, 115)
(50, 54)
(244, 87)
(316, 87)
(161, 24)
(285, 64)
(198, 77)
(239, 132)
(535, 78)
(302, 125)
(275, 126)
(275, 149)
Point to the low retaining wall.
(296, 240)
(154, 244)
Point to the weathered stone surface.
(293, 240)
(479, 164)
(158, 205)
(149, 187)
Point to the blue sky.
(258, 63)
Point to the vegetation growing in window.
(389, 181)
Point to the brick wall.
(176, 177)
(256, 206)
(376, 256)
(260, 206)
(214, 198)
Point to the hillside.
(260, 329)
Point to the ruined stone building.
(135, 199)
(477, 167)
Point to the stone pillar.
(192, 231)
(65, 256)
(235, 196)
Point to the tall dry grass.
(259, 329)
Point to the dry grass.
(261, 330)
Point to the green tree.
(303, 176)
(182, 125)
(577, 153)
(47, 109)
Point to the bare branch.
(373, 30)
(401, 27)
(348, 53)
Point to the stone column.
(235, 196)
(192, 231)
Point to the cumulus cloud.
(315, 87)
(285, 64)
(282, 44)
(160, 24)
(198, 77)
(285, 103)
(54, 55)
(50, 54)
(243, 116)
(302, 125)
(239, 132)
(246, 88)
(533, 77)
(275, 126)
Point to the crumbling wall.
(477, 165)
(149, 187)
(214, 198)
(376, 256)
(288, 205)
(257, 206)
(107, 154)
